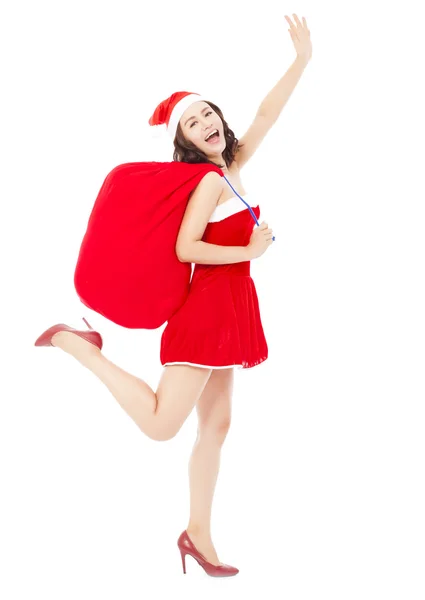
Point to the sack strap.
(250, 209)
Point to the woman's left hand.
(300, 35)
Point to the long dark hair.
(185, 151)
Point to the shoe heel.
(87, 323)
(183, 555)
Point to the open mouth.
(213, 138)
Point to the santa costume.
(128, 270)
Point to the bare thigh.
(179, 388)
(214, 404)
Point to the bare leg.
(159, 415)
(214, 408)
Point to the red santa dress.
(219, 325)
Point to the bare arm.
(204, 253)
(189, 246)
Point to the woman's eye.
(209, 112)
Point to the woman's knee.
(214, 430)
(214, 407)
(178, 391)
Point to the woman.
(219, 326)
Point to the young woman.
(219, 326)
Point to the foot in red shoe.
(204, 546)
(73, 344)
(73, 341)
(186, 546)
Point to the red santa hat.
(170, 111)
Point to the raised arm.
(272, 105)
(201, 205)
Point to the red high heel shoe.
(91, 336)
(186, 546)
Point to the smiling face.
(197, 122)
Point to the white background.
(321, 491)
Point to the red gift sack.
(127, 268)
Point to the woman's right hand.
(261, 239)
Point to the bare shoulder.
(210, 185)
(204, 198)
(214, 185)
(212, 181)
